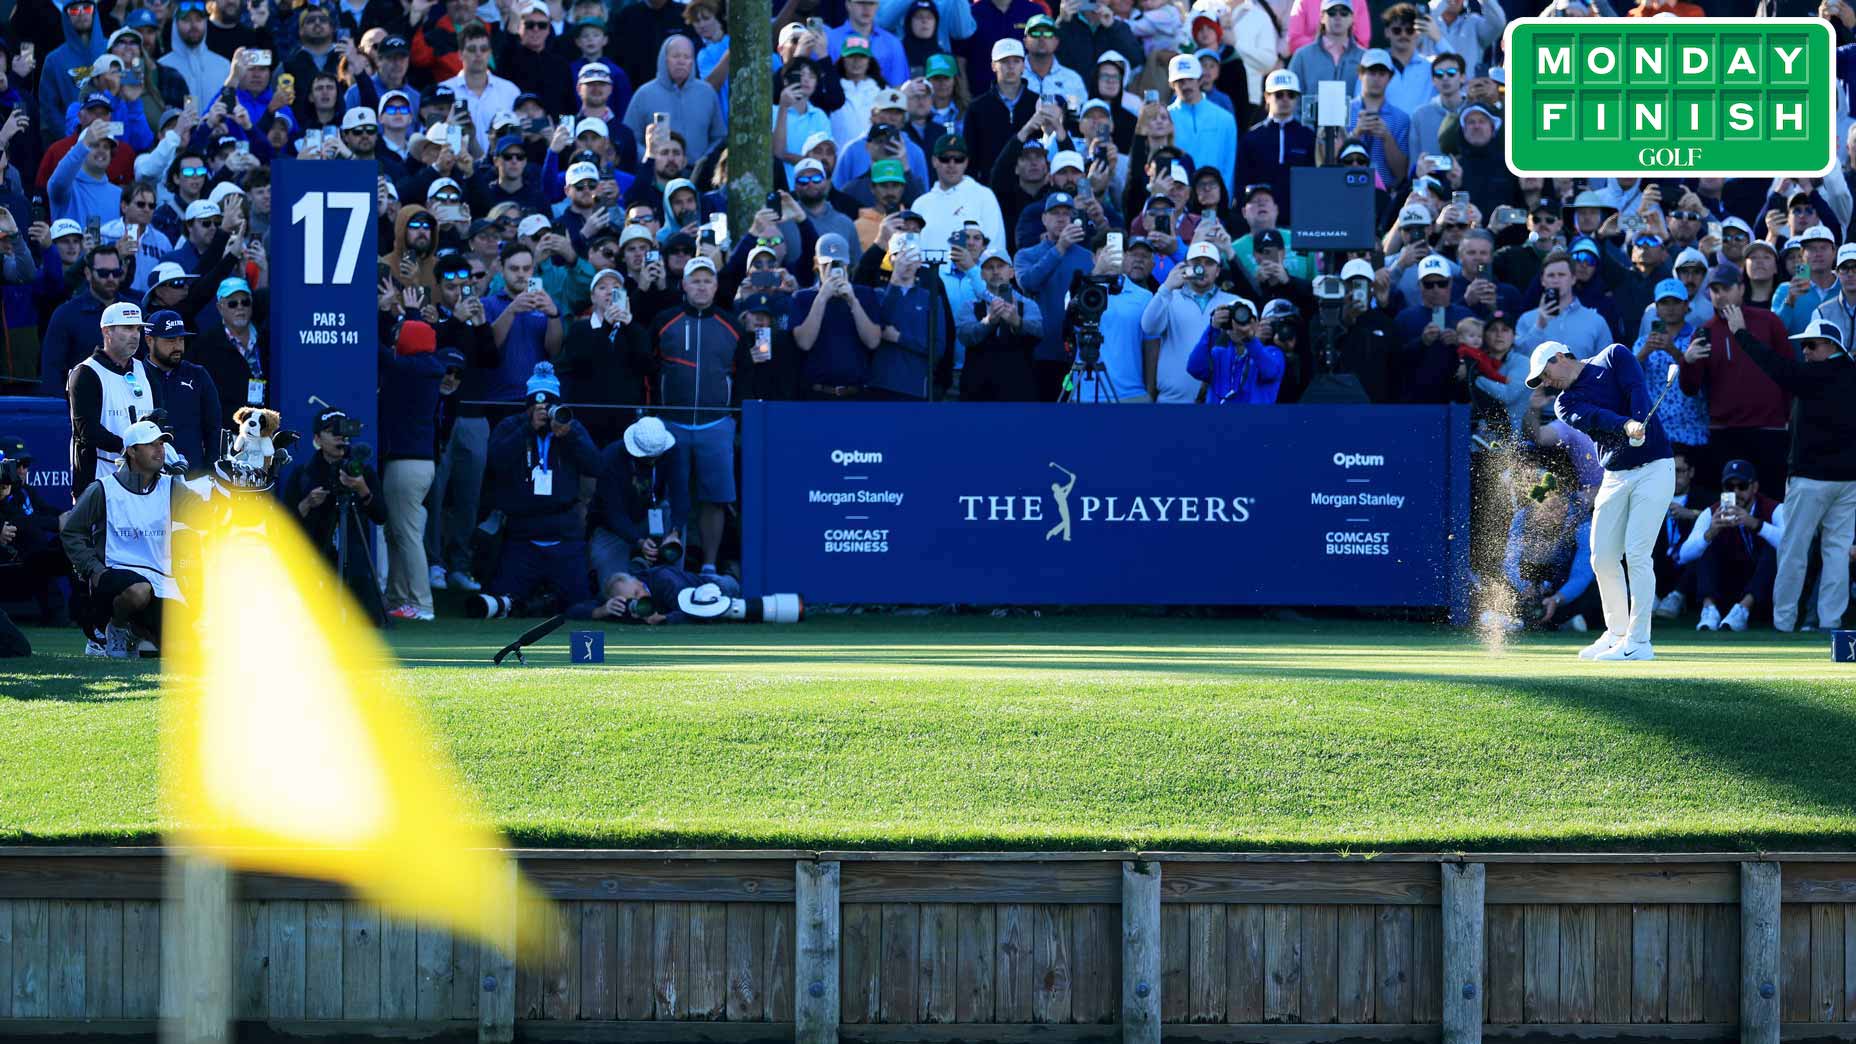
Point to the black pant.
(1735, 565)
(13, 641)
(96, 607)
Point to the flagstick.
(198, 951)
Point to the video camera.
(1088, 301)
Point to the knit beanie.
(416, 338)
(544, 386)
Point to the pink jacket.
(1305, 23)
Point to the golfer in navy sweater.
(1605, 397)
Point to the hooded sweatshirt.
(695, 109)
(203, 71)
(392, 258)
(57, 87)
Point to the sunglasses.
(193, 172)
(808, 179)
(514, 157)
(81, 8)
(1686, 215)
(585, 186)
(192, 8)
(207, 222)
(106, 273)
(1735, 235)
(455, 276)
(950, 158)
(419, 222)
(1400, 30)
(447, 200)
(1356, 161)
(365, 128)
(536, 25)
(397, 110)
(1434, 284)
(237, 302)
(1040, 32)
(1436, 73)
(479, 273)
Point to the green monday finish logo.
(1684, 97)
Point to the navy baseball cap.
(1059, 199)
(167, 323)
(452, 358)
(1739, 471)
(99, 100)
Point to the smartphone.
(1727, 499)
(1460, 199)
(1657, 326)
(1360, 300)
(1443, 163)
(652, 257)
(91, 225)
(705, 236)
(1803, 271)
(244, 147)
(26, 47)
(312, 139)
(661, 120)
(1114, 242)
(719, 223)
(285, 81)
(568, 123)
(1161, 223)
(1151, 97)
(764, 280)
(773, 201)
(228, 97)
(623, 299)
(41, 213)
(114, 129)
(454, 137)
(816, 26)
(1550, 296)
(763, 344)
(467, 290)
(1714, 229)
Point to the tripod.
(345, 521)
(1089, 370)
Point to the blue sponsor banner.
(1001, 504)
(45, 426)
(323, 264)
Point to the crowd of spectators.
(551, 207)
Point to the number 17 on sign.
(310, 211)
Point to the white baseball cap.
(122, 313)
(579, 172)
(807, 164)
(1846, 252)
(1816, 233)
(1433, 265)
(66, 227)
(1204, 251)
(221, 191)
(1358, 268)
(359, 116)
(1543, 354)
(592, 125)
(1066, 160)
(532, 224)
(1007, 49)
(1282, 80)
(201, 208)
(631, 232)
(1415, 214)
(141, 433)
(1183, 67)
(698, 263)
(441, 185)
(1734, 222)
(818, 138)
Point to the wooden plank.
(360, 960)
(495, 983)
(6, 958)
(1356, 986)
(1760, 927)
(1206, 977)
(708, 982)
(1411, 884)
(103, 971)
(1140, 952)
(818, 951)
(399, 969)
(251, 958)
(466, 960)
(1578, 961)
(1320, 964)
(747, 964)
(141, 958)
(1808, 881)
(1282, 962)
(975, 975)
(1611, 964)
(1051, 963)
(1427, 964)
(1505, 962)
(1826, 963)
(1795, 962)
(284, 978)
(65, 920)
(199, 949)
(670, 959)
(1607, 883)
(633, 932)
(1463, 901)
(1685, 937)
(433, 990)
(863, 962)
(1029, 881)
(1175, 962)
(1540, 970)
(1244, 962)
(560, 983)
(1392, 963)
(1013, 982)
(708, 880)
(599, 926)
(322, 959)
(938, 989)
(781, 934)
(1649, 963)
(1096, 963)
(1721, 965)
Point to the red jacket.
(1740, 395)
(121, 170)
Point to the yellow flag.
(286, 750)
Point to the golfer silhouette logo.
(589, 646)
(1060, 492)
(1851, 654)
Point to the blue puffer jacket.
(696, 363)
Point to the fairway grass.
(1083, 732)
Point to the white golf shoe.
(1601, 646)
(1628, 650)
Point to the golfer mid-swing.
(1606, 397)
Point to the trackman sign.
(1065, 508)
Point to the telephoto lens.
(561, 415)
(670, 551)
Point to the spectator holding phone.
(1561, 316)
(1734, 549)
(1747, 412)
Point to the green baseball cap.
(890, 170)
(941, 65)
(855, 45)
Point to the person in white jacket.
(1252, 33)
(955, 199)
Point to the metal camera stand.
(1092, 372)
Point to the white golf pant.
(1813, 506)
(1626, 517)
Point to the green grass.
(1067, 732)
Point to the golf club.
(1675, 371)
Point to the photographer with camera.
(1001, 332)
(537, 463)
(337, 483)
(631, 504)
(1179, 315)
(1238, 367)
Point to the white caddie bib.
(136, 532)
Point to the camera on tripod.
(1330, 299)
(1089, 296)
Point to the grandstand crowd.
(551, 207)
